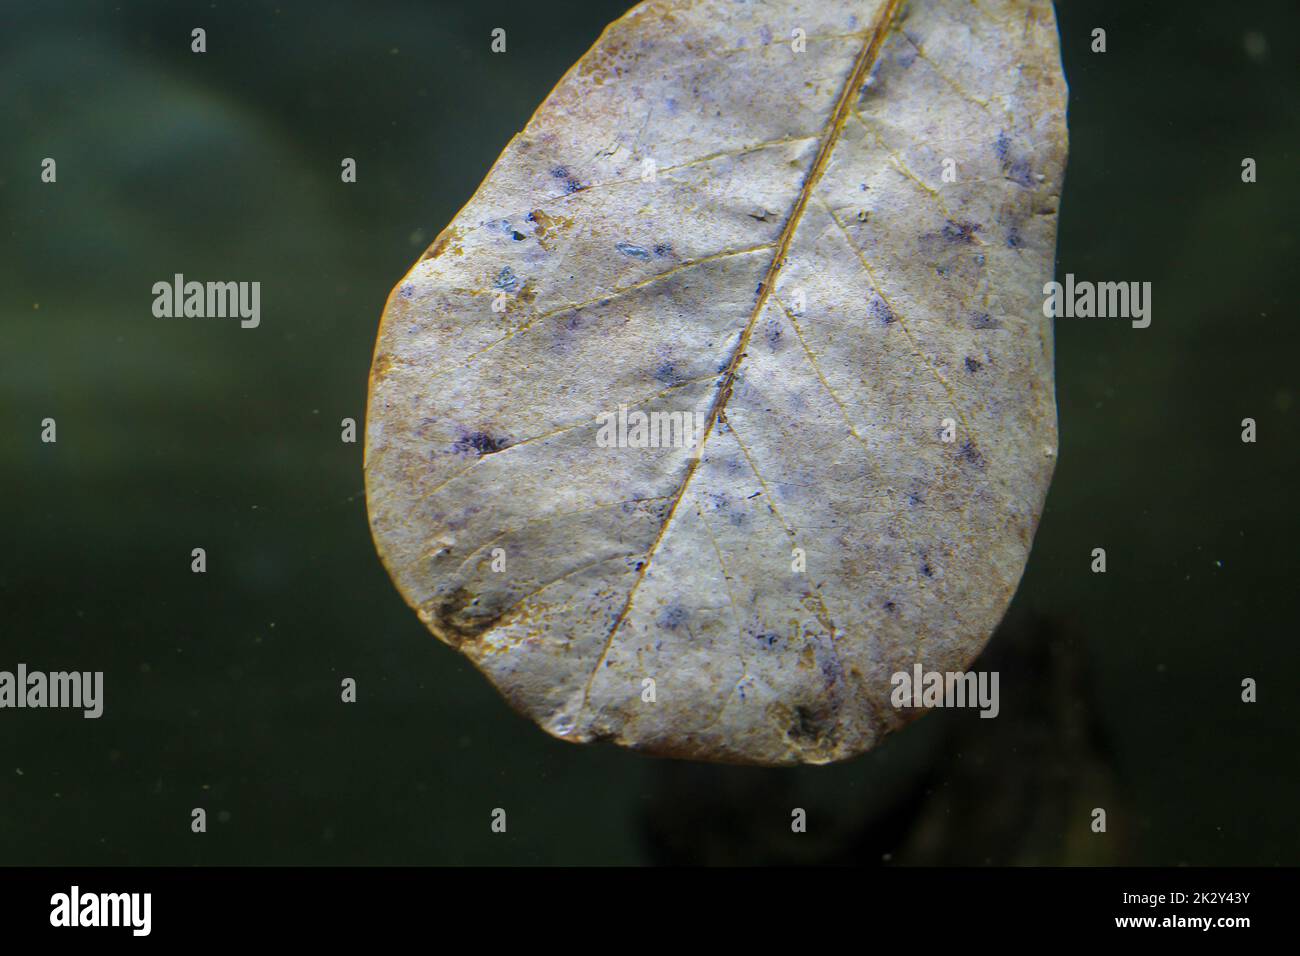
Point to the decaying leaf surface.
(708, 215)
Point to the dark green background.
(1119, 690)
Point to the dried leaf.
(822, 226)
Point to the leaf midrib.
(830, 138)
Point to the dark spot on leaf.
(672, 618)
(571, 185)
(1002, 148)
(667, 374)
(1021, 173)
(811, 725)
(480, 443)
(982, 320)
(971, 454)
(1017, 170)
(960, 231)
(972, 365)
(880, 311)
(507, 280)
(458, 618)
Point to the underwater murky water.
(1119, 690)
